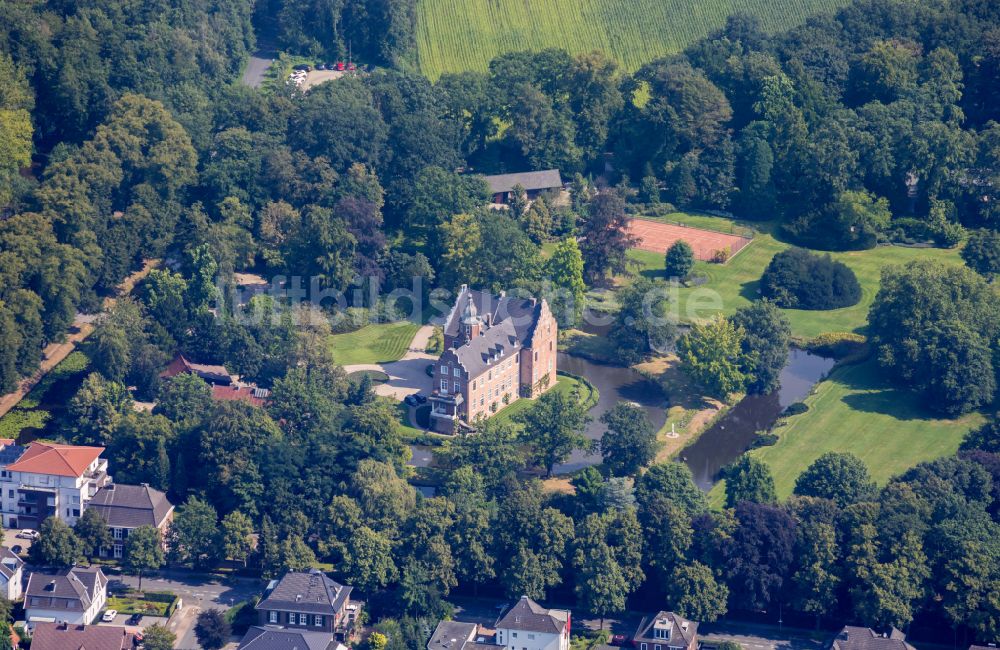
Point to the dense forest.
(125, 136)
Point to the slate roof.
(452, 635)
(57, 590)
(529, 616)
(58, 636)
(131, 506)
(539, 180)
(273, 638)
(9, 563)
(682, 631)
(863, 638)
(55, 459)
(208, 372)
(508, 325)
(313, 593)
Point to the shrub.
(798, 279)
(764, 440)
(722, 255)
(798, 408)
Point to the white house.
(46, 479)
(75, 596)
(11, 574)
(529, 626)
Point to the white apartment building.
(529, 626)
(44, 479)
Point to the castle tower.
(471, 324)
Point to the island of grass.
(375, 343)
(736, 282)
(565, 383)
(856, 410)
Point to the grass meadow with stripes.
(457, 35)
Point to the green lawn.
(565, 384)
(373, 343)
(733, 285)
(855, 410)
(457, 35)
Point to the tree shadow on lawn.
(878, 395)
(751, 290)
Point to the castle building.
(498, 349)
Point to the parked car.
(321, 66)
(421, 399)
(429, 369)
(331, 66)
(618, 639)
(135, 619)
(340, 65)
(410, 400)
(27, 533)
(109, 616)
(16, 549)
(303, 66)
(352, 67)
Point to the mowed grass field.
(457, 35)
(373, 343)
(856, 410)
(734, 284)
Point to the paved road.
(256, 68)
(760, 637)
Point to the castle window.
(444, 370)
(458, 373)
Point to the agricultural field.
(855, 410)
(377, 343)
(734, 284)
(457, 35)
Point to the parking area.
(126, 621)
(13, 542)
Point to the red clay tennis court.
(658, 237)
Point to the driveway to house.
(408, 375)
(256, 69)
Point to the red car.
(352, 67)
(619, 640)
(340, 65)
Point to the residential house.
(310, 600)
(75, 596)
(865, 638)
(225, 387)
(275, 638)
(213, 374)
(666, 631)
(11, 574)
(127, 507)
(62, 636)
(534, 184)
(44, 479)
(498, 349)
(529, 626)
(454, 635)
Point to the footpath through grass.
(856, 410)
(458, 35)
(735, 284)
(377, 343)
